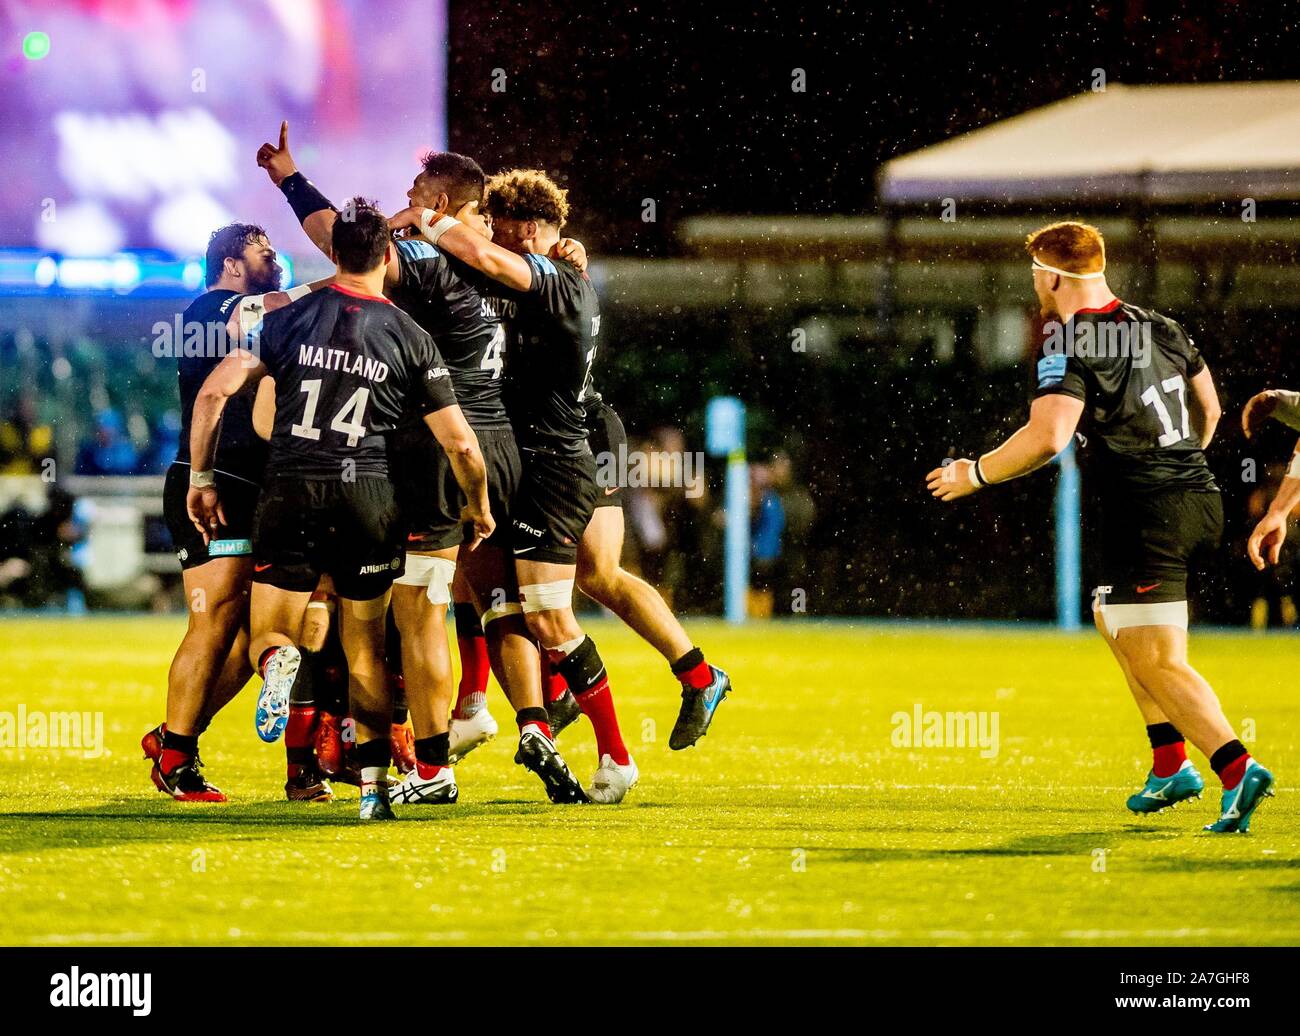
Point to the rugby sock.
(373, 758)
(471, 692)
(693, 671)
(1167, 747)
(553, 682)
(585, 674)
(431, 752)
(177, 749)
(1229, 762)
(299, 738)
(534, 716)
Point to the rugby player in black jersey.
(553, 317)
(349, 367)
(211, 664)
(1152, 410)
(421, 281)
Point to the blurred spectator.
(110, 451)
(766, 532)
(24, 442)
(36, 567)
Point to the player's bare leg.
(1157, 657)
(361, 630)
(1172, 778)
(420, 602)
(546, 589)
(304, 781)
(471, 691)
(601, 577)
(515, 660)
(201, 676)
(275, 622)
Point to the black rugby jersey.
(1132, 369)
(348, 369)
(204, 344)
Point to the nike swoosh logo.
(1147, 589)
(260, 568)
(611, 490)
(414, 537)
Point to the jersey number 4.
(492, 359)
(1151, 398)
(347, 421)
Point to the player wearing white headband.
(1152, 410)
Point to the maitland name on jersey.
(346, 362)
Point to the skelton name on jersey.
(463, 324)
(348, 369)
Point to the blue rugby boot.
(698, 706)
(1162, 792)
(1240, 803)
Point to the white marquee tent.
(1145, 145)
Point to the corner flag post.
(1069, 510)
(724, 424)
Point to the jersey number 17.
(1151, 398)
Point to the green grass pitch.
(797, 820)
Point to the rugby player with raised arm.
(422, 282)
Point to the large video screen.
(134, 123)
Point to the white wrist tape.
(972, 474)
(434, 228)
(1293, 469)
(298, 291)
(202, 479)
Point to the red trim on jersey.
(1110, 307)
(360, 294)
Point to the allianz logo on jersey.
(1106, 339)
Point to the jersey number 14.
(347, 421)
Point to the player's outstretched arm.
(452, 235)
(312, 208)
(1206, 410)
(1265, 543)
(1052, 420)
(248, 314)
(238, 369)
(1279, 404)
(459, 442)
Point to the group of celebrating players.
(419, 431)
(416, 432)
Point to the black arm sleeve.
(303, 197)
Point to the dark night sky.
(691, 104)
